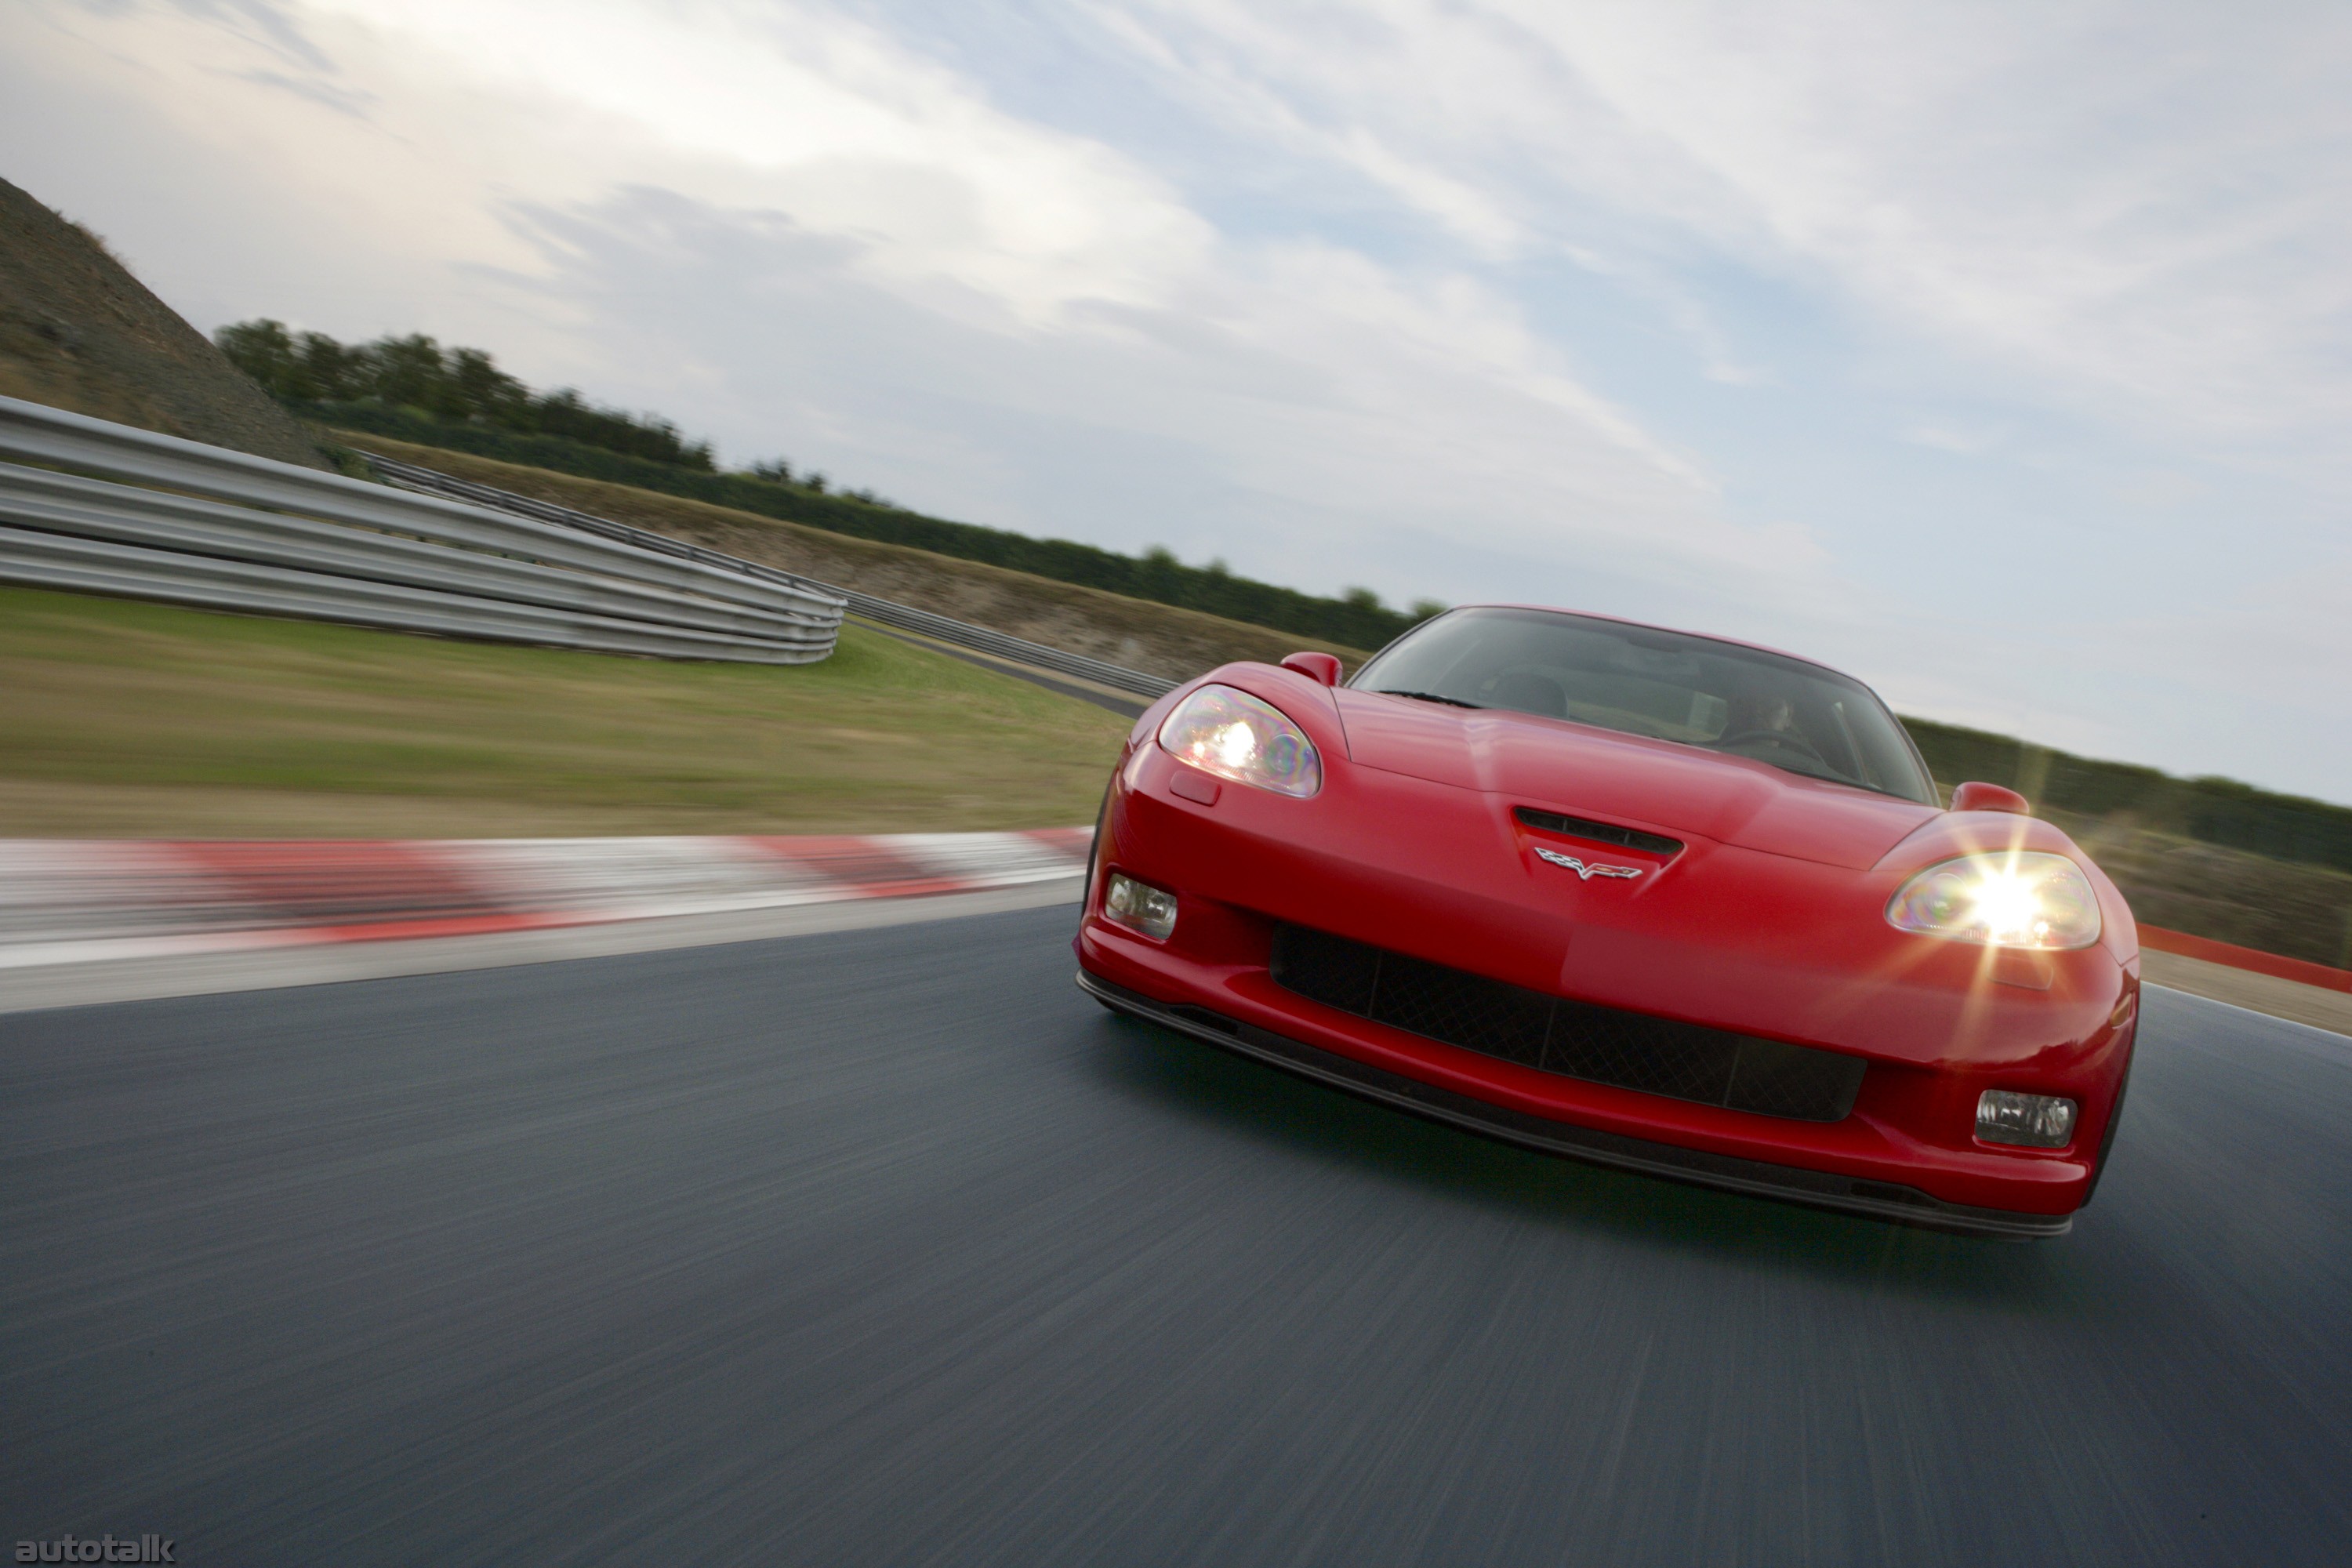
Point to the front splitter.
(1756, 1178)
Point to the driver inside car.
(1758, 712)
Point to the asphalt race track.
(888, 1247)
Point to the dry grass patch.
(122, 718)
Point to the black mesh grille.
(1598, 832)
(1779, 1079)
(1330, 969)
(1575, 1040)
(1466, 1010)
(1633, 1050)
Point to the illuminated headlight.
(2036, 1121)
(1233, 735)
(2016, 899)
(1140, 905)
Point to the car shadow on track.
(2058, 1278)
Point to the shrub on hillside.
(460, 385)
(1359, 620)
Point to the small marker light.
(2035, 1121)
(1140, 905)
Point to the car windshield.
(1666, 685)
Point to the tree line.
(412, 389)
(462, 386)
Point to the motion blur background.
(1997, 355)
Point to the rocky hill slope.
(78, 331)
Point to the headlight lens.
(2014, 898)
(1233, 735)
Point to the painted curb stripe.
(82, 900)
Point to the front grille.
(1575, 1040)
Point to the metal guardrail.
(980, 639)
(905, 618)
(182, 521)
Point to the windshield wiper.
(1428, 697)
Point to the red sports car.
(1667, 902)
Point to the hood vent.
(1598, 832)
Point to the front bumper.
(1819, 1189)
(1759, 945)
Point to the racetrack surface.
(888, 1247)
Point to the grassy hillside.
(1356, 618)
(2210, 810)
(2300, 910)
(412, 389)
(1135, 633)
(129, 718)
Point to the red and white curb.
(79, 900)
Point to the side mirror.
(1319, 667)
(1990, 797)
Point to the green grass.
(123, 717)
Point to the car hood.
(1627, 779)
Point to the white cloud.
(1295, 380)
(2136, 204)
(1314, 382)
(823, 117)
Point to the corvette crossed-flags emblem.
(1585, 873)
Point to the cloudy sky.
(2000, 353)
